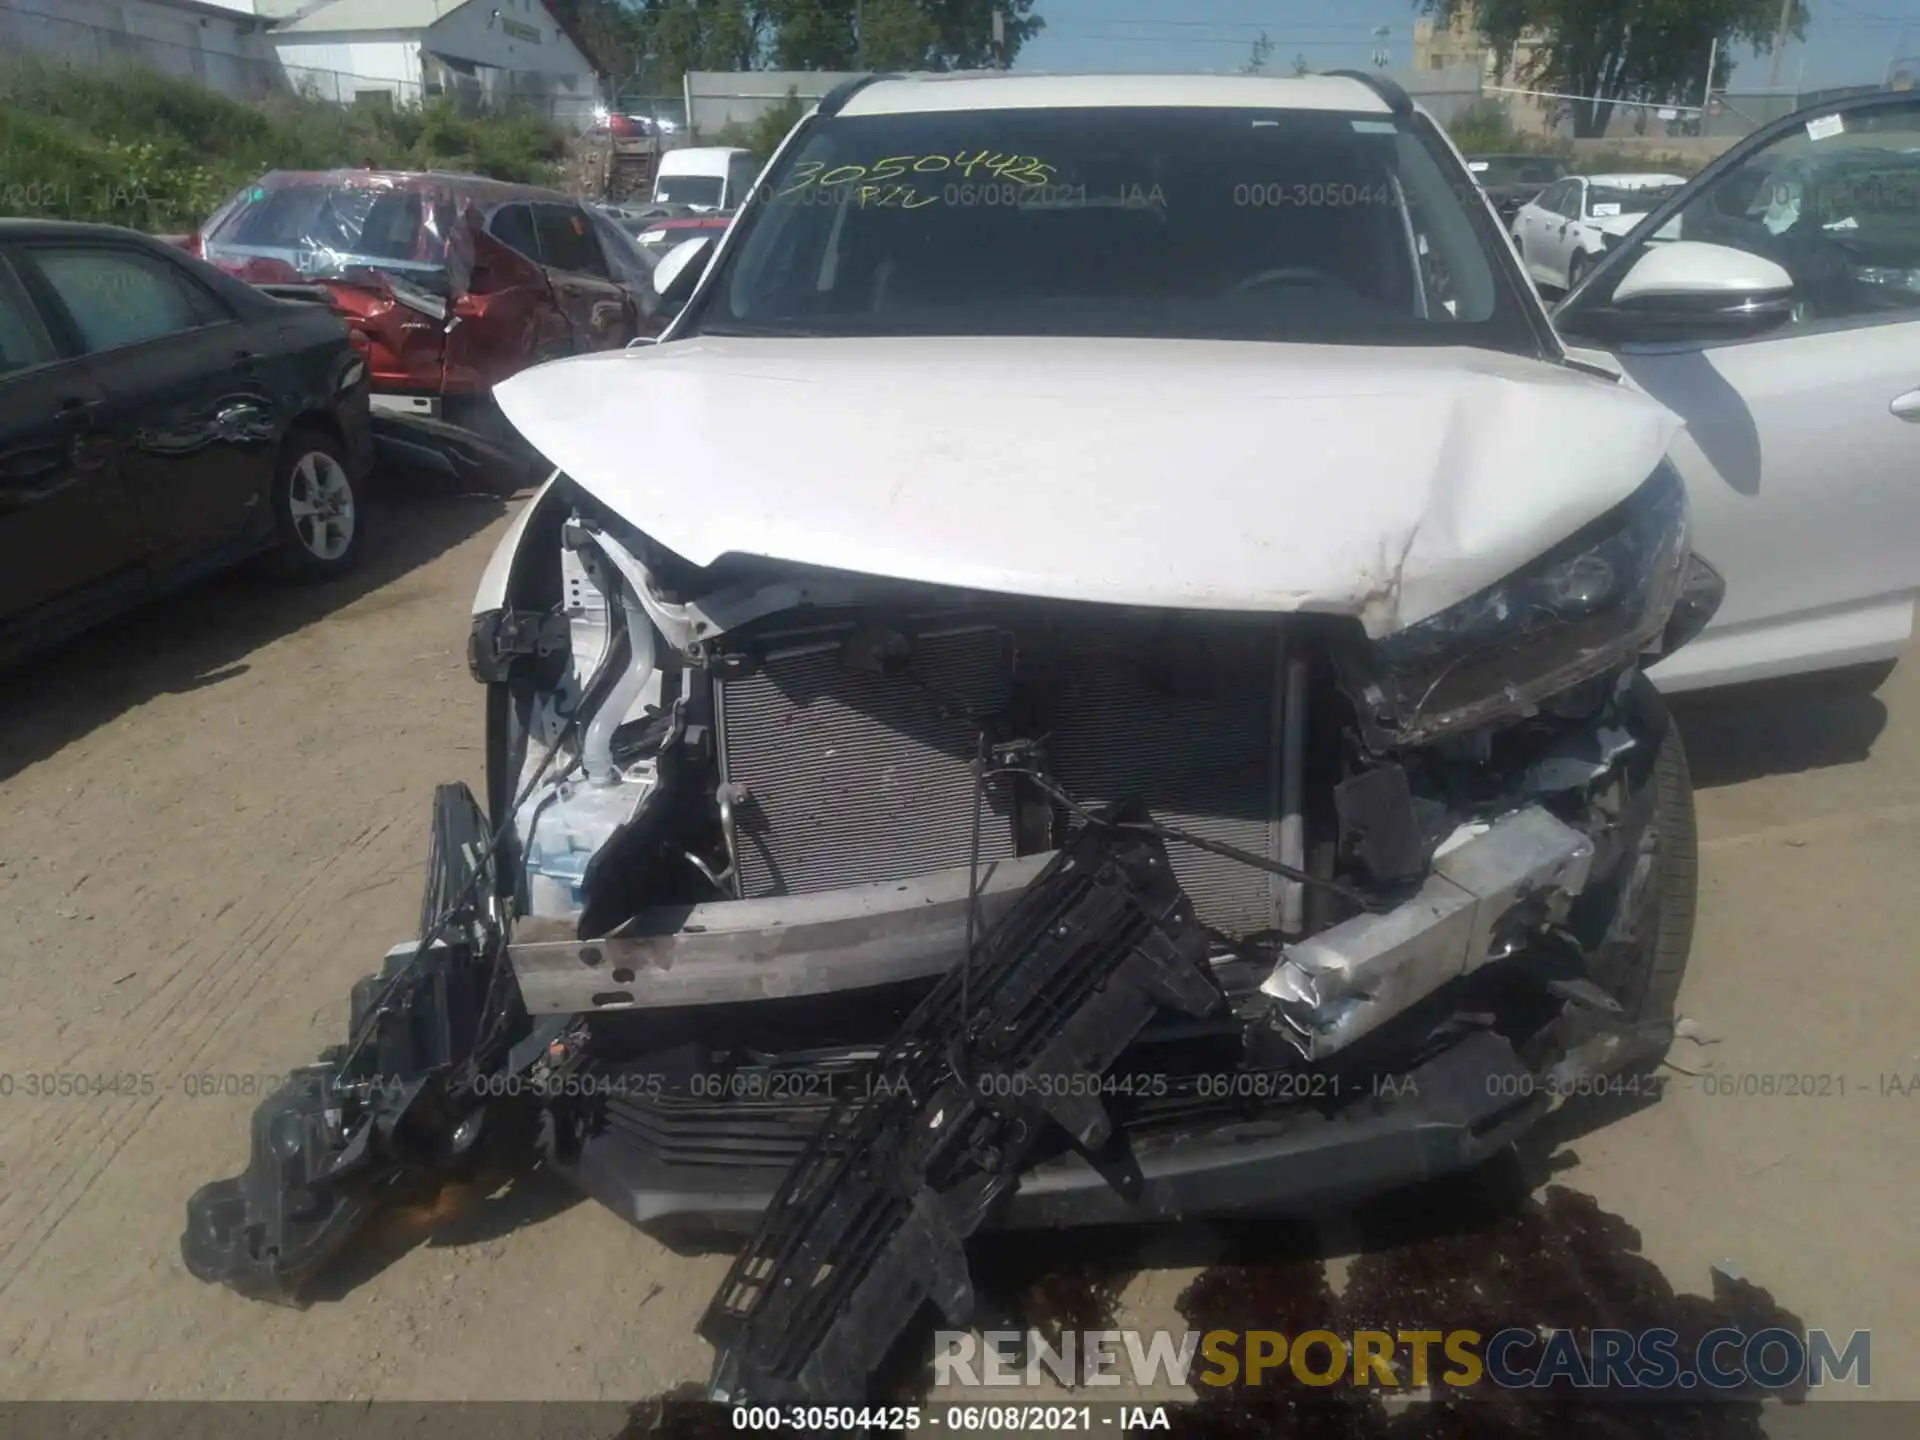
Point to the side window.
(630, 264)
(1549, 198)
(1573, 198)
(567, 241)
(512, 226)
(120, 297)
(24, 342)
(1834, 202)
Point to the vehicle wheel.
(1650, 931)
(1577, 271)
(316, 508)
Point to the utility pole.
(1000, 38)
(1706, 95)
(1780, 43)
(859, 38)
(1899, 54)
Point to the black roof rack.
(835, 99)
(1390, 91)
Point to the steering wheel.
(1285, 275)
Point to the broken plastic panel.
(869, 1224)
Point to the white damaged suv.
(1169, 438)
(1028, 447)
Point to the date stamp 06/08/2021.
(815, 1085)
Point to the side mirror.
(1695, 273)
(1687, 289)
(678, 272)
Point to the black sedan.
(160, 420)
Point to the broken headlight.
(1590, 604)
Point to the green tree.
(1648, 51)
(1300, 65)
(1258, 57)
(899, 34)
(764, 135)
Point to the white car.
(1564, 231)
(1797, 380)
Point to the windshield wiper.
(765, 332)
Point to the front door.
(67, 524)
(509, 317)
(597, 309)
(1802, 448)
(183, 387)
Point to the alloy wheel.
(320, 500)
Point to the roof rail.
(835, 99)
(1398, 101)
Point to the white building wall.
(226, 54)
(717, 99)
(343, 69)
(526, 55)
(471, 33)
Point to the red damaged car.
(449, 283)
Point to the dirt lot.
(213, 821)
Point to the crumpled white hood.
(1213, 475)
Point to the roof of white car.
(694, 157)
(995, 90)
(1639, 180)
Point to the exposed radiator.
(851, 776)
(1190, 725)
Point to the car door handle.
(1907, 406)
(86, 448)
(246, 361)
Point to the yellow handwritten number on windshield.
(1028, 170)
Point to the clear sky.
(1847, 43)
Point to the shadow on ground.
(1486, 1250)
(202, 636)
(1778, 727)
(458, 1214)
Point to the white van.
(705, 177)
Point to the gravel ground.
(214, 820)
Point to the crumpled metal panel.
(1483, 896)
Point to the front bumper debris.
(870, 1224)
(699, 1185)
(730, 952)
(1088, 957)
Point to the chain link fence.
(1726, 116)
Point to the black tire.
(319, 518)
(1577, 269)
(1644, 957)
